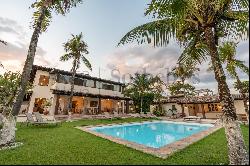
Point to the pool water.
(153, 134)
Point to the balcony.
(83, 89)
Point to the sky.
(103, 23)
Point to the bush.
(159, 111)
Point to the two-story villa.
(91, 95)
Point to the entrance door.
(192, 110)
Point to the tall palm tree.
(198, 25)
(227, 54)
(41, 20)
(75, 49)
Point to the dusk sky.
(103, 23)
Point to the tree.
(75, 49)
(244, 86)
(180, 88)
(9, 83)
(198, 25)
(143, 90)
(227, 52)
(41, 20)
(183, 72)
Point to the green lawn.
(67, 145)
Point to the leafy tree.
(227, 52)
(198, 25)
(244, 86)
(75, 49)
(180, 88)
(9, 83)
(143, 90)
(183, 72)
(41, 20)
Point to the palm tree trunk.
(243, 96)
(28, 64)
(8, 130)
(237, 150)
(72, 85)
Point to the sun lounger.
(192, 118)
(116, 115)
(136, 115)
(41, 120)
(108, 116)
(30, 120)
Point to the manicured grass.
(68, 145)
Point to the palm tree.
(75, 49)
(198, 25)
(41, 19)
(183, 71)
(227, 54)
(144, 87)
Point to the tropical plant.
(178, 88)
(227, 52)
(75, 49)
(41, 20)
(183, 72)
(143, 90)
(9, 83)
(198, 25)
(244, 86)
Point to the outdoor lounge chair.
(41, 120)
(192, 118)
(30, 120)
(150, 115)
(108, 116)
(116, 115)
(136, 115)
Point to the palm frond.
(86, 62)
(3, 42)
(157, 32)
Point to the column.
(100, 106)
(127, 107)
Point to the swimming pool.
(154, 134)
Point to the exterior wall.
(66, 87)
(209, 115)
(46, 92)
(239, 105)
(42, 91)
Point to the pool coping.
(162, 152)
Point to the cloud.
(13, 55)
(131, 59)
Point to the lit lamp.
(248, 103)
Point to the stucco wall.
(42, 91)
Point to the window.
(107, 86)
(63, 79)
(43, 80)
(90, 83)
(93, 103)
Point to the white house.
(91, 95)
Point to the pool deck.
(162, 152)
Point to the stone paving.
(162, 152)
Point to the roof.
(54, 71)
(198, 99)
(61, 92)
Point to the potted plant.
(46, 105)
